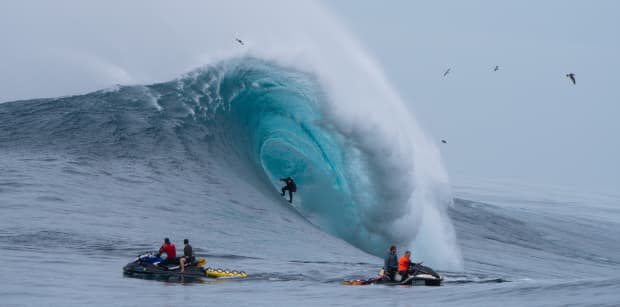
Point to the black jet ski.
(151, 264)
(418, 275)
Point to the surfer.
(188, 255)
(391, 264)
(447, 72)
(496, 68)
(290, 187)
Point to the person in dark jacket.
(188, 255)
(290, 187)
(391, 263)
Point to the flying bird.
(444, 141)
(496, 68)
(447, 72)
(571, 76)
(239, 41)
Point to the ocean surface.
(88, 182)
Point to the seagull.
(239, 41)
(447, 72)
(444, 141)
(571, 76)
(496, 68)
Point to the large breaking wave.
(302, 98)
(361, 176)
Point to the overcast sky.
(525, 122)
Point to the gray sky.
(526, 122)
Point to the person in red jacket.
(171, 252)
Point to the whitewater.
(194, 149)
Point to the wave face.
(258, 121)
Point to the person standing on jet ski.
(188, 255)
(171, 252)
(403, 265)
(290, 187)
(391, 264)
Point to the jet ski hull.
(149, 266)
(411, 281)
(419, 275)
(151, 269)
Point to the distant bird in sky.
(447, 72)
(571, 76)
(239, 41)
(496, 68)
(444, 141)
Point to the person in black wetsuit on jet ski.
(290, 187)
(390, 265)
(188, 255)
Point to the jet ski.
(418, 275)
(150, 265)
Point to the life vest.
(403, 264)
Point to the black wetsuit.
(390, 265)
(290, 187)
(188, 253)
